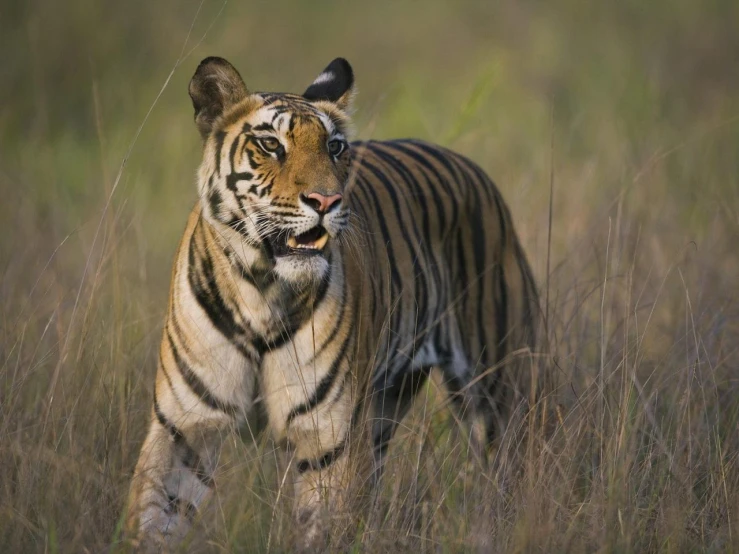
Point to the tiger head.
(275, 165)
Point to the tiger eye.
(335, 147)
(269, 144)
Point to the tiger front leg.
(323, 453)
(321, 487)
(174, 474)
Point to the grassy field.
(627, 113)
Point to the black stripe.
(267, 189)
(323, 462)
(324, 386)
(168, 379)
(154, 504)
(440, 156)
(286, 215)
(340, 390)
(501, 316)
(438, 184)
(403, 170)
(220, 137)
(201, 277)
(383, 178)
(485, 180)
(422, 162)
(189, 457)
(233, 178)
(446, 182)
(297, 316)
(253, 161)
(461, 276)
(214, 201)
(202, 280)
(421, 197)
(479, 248)
(381, 448)
(277, 204)
(177, 435)
(420, 253)
(379, 218)
(387, 426)
(196, 385)
(502, 292)
(291, 124)
(232, 153)
(175, 505)
(531, 295)
(260, 278)
(339, 321)
(360, 206)
(359, 407)
(502, 212)
(423, 169)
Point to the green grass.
(632, 107)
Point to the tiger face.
(275, 166)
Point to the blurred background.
(625, 113)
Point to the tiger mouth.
(310, 243)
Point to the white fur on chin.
(299, 269)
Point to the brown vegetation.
(630, 108)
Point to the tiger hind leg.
(474, 406)
(392, 401)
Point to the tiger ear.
(335, 84)
(215, 87)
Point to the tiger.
(324, 279)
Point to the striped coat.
(328, 279)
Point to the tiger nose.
(320, 203)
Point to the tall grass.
(631, 108)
